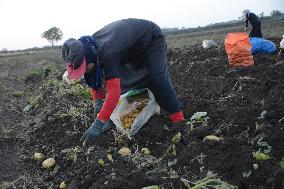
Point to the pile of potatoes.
(128, 119)
(142, 100)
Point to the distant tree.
(4, 50)
(261, 15)
(52, 35)
(275, 13)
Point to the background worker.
(255, 23)
(128, 54)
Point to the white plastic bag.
(124, 107)
(206, 44)
(282, 42)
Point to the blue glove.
(93, 132)
(98, 106)
(109, 125)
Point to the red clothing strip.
(99, 94)
(177, 117)
(112, 98)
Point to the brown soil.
(233, 98)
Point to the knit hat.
(73, 55)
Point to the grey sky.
(23, 21)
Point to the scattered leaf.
(101, 162)
(151, 187)
(261, 156)
(176, 139)
(171, 163)
(28, 108)
(198, 115)
(246, 174)
(174, 150)
(263, 114)
(281, 163)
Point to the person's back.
(253, 19)
(255, 23)
(126, 39)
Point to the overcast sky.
(23, 21)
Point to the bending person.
(128, 54)
(255, 24)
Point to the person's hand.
(98, 106)
(109, 125)
(93, 132)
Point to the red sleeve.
(112, 98)
(177, 117)
(98, 94)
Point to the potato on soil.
(38, 156)
(124, 151)
(109, 157)
(63, 185)
(48, 163)
(145, 151)
(212, 138)
(255, 166)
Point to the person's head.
(245, 12)
(74, 57)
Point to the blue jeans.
(159, 79)
(153, 74)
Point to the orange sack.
(238, 48)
